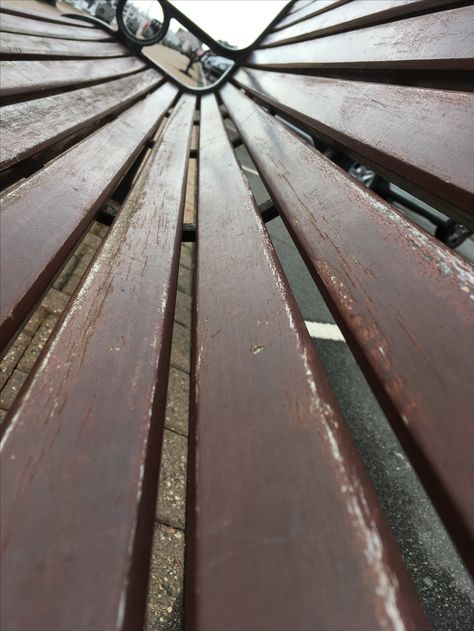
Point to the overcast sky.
(238, 22)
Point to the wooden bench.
(284, 528)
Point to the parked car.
(150, 29)
(214, 66)
(105, 11)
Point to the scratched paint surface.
(31, 126)
(383, 124)
(442, 40)
(284, 523)
(18, 77)
(397, 294)
(350, 15)
(65, 194)
(80, 454)
(18, 45)
(17, 24)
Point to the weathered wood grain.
(17, 24)
(44, 216)
(285, 527)
(18, 46)
(313, 8)
(80, 456)
(20, 77)
(26, 11)
(31, 126)
(396, 128)
(397, 294)
(352, 15)
(441, 41)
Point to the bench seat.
(284, 528)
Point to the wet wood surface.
(31, 126)
(44, 216)
(14, 45)
(17, 24)
(403, 301)
(21, 77)
(353, 15)
(81, 451)
(436, 41)
(285, 529)
(382, 125)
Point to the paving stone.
(185, 280)
(55, 301)
(165, 588)
(12, 388)
(181, 348)
(190, 200)
(99, 229)
(13, 356)
(72, 283)
(182, 312)
(187, 257)
(171, 507)
(34, 322)
(40, 338)
(92, 240)
(3, 414)
(177, 404)
(68, 269)
(86, 254)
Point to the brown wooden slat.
(25, 11)
(298, 5)
(17, 24)
(19, 77)
(442, 41)
(353, 15)
(33, 125)
(403, 300)
(285, 525)
(397, 128)
(43, 217)
(80, 457)
(14, 45)
(315, 8)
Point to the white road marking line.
(249, 169)
(324, 331)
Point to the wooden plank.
(394, 127)
(299, 4)
(314, 8)
(81, 452)
(16, 24)
(18, 46)
(43, 217)
(282, 512)
(34, 125)
(357, 14)
(25, 11)
(442, 41)
(403, 301)
(20, 77)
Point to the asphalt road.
(440, 578)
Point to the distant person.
(194, 56)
